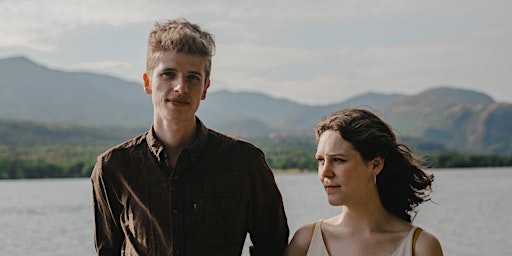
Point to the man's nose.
(180, 85)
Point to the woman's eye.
(339, 160)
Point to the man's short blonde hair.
(179, 36)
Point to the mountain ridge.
(463, 120)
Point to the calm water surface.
(472, 213)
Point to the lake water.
(472, 213)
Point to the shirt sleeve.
(268, 227)
(108, 236)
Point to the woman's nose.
(325, 171)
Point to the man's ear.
(205, 89)
(147, 84)
(377, 164)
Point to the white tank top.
(317, 245)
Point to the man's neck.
(175, 135)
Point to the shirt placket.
(176, 211)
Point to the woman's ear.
(377, 164)
(147, 84)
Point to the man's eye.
(320, 160)
(194, 78)
(169, 74)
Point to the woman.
(377, 182)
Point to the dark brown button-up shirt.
(220, 190)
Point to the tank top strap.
(317, 244)
(415, 237)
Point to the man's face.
(177, 85)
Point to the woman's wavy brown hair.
(402, 184)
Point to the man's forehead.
(181, 62)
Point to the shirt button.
(175, 212)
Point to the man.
(181, 188)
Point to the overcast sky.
(314, 52)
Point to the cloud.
(33, 22)
(310, 51)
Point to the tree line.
(300, 159)
(53, 161)
(65, 161)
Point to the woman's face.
(343, 172)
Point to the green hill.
(458, 119)
(462, 120)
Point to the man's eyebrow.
(199, 73)
(196, 72)
(168, 69)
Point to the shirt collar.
(158, 149)
(197, 147)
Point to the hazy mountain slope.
(33, 92)
(306, 118)
(30, 134)
(437, 108)
(492, 129)
(462, 120)
(227, 110)
(376, 101)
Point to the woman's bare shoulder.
(427, 244)
(301, 239)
